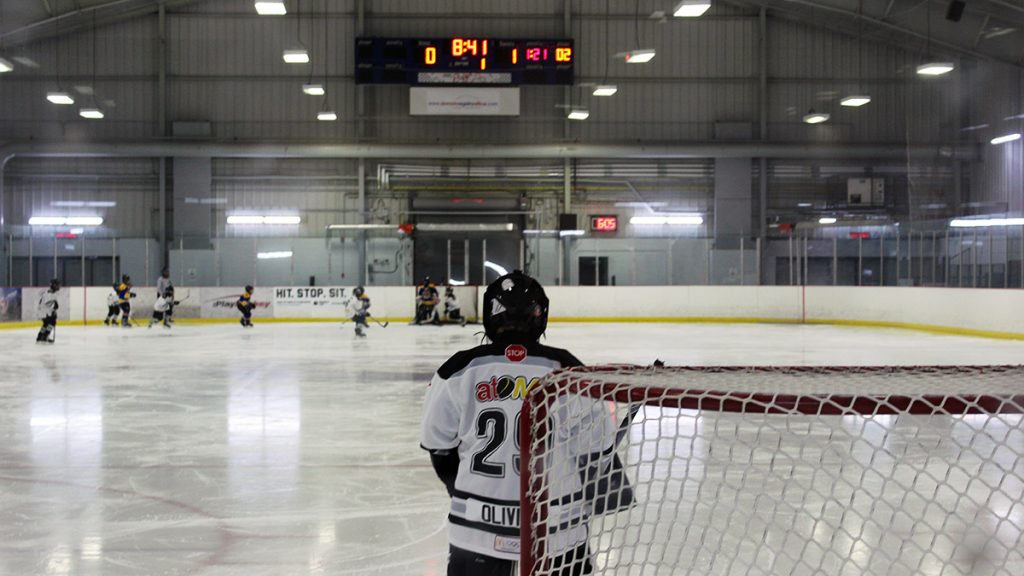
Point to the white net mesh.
(775, 471)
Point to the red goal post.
(721, 470)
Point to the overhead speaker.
(567, 222)
(955, 10)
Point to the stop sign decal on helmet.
(515, 353)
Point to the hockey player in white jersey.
(113, 307)
(47, 311)
(162, 308)
(452, 309)
(358, 308)
(469, 427)
(163, 284)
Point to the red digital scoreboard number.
(604, 223)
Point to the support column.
(733, 199)
(361, 218)
(193, 212)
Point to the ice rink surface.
(293, 448)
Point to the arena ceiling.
(986, 29)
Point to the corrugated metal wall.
(123, 192)
(1000, 174)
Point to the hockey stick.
(377, 322)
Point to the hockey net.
(774, 471)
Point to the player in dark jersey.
(124, 300)
(245, 306)
(427, 300)
(469, 423)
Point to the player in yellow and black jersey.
(124, 299)
(427, 300)
(245, 306)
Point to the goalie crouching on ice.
(469, 422)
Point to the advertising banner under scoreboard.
(464, 101)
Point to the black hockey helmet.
(166, 273)
(126, 278)
(54, 284)
(358, 291)
(169, 292)
(248, 288)
(515, 309)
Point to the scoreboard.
(464, 61)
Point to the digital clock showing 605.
(604, 223)
(464, 60)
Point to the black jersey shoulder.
(460, 360)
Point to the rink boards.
(991, 313)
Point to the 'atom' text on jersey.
(504, 388)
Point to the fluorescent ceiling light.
(84, 90)
(327, 116)
(855, 100)
(84, 221)
(691, 8)
(453, 282)
(81, 204)
(497, 268)
(579, 114)
(813, 117)
(46, 221)
(252, 219)
(5, 65)
(639, 56)
(274, 255)
(640, 204)
(663, 219)
(282, 219)
(564, 233)
(1005, 139)
(444, 227)
(826, 220)
(245, 219)
(361, 227)
(605, 90)
(985, 222)
(313, 89)
(77, 231)
(62, 221)
(271, 8)
(935, 68)
(298, 56)
(803, 205)
(62, 98)
(91, 113)
(532, 232)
